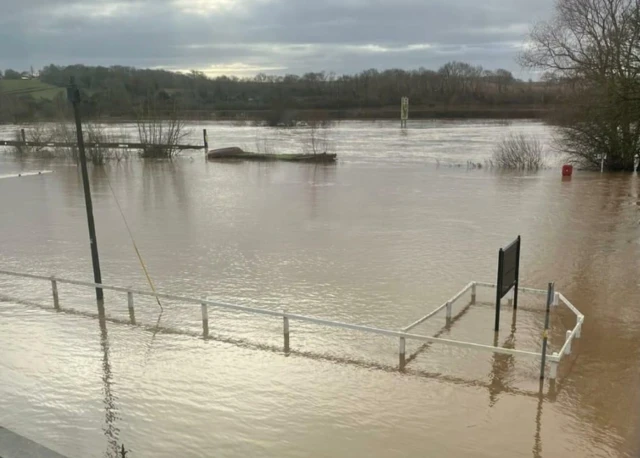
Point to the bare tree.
(161, 133)
(593, 45)
(318, 141)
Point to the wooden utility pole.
(73, 94)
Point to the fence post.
(473, 293)
(24, 136)
(556, 299)
(568, 349)
(132, 313)
(402, 353)
(205, 320)
(54, 290)
(206, 141)
(579, 330)
(449, 310)
(285, 326)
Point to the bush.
(96, 133)
(64, 132)
(517, 151)
(38, 133)
(161, 134)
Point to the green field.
(34, 88)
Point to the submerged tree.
(160, 128)
(594, 46)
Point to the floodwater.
(390, 232)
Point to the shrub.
(517, 151)
(161, 135)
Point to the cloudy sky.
(245, 37)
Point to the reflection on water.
(380, 238)
(110, 411)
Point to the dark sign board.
(510, 261)
(508, 275)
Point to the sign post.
(404, 111)
(508, 276)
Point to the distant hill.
(33, 87)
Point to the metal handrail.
(402, 334)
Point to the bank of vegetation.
(456, 90)
(592, 48)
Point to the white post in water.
(568, 350)
(556, 299)
(602, 158)
(132, 312)
(205, 320)
(553, 370)
(473, 293)
(402, 352)
(285, 328)
(404, 111)
(54, 290)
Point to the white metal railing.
(402, 335)
(574, 333)
(571, 334)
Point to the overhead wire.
(133, 241)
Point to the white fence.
(403, 335)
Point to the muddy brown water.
(380, 238)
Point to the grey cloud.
(284, 36)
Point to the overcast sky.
(245, 37)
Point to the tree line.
(122, 91)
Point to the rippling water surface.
(388, 233)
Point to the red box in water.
(567, 170)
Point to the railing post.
(205, 320)
(545, 334)
(579, 330)
(556, 299)
(473, 293)
(553, 370)
(568, 349)
(401, 353)
(132, 312)
(285, 326)
(54, 290)
(449, 310)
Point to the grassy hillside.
(34, 88)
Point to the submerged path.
(13, 445)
